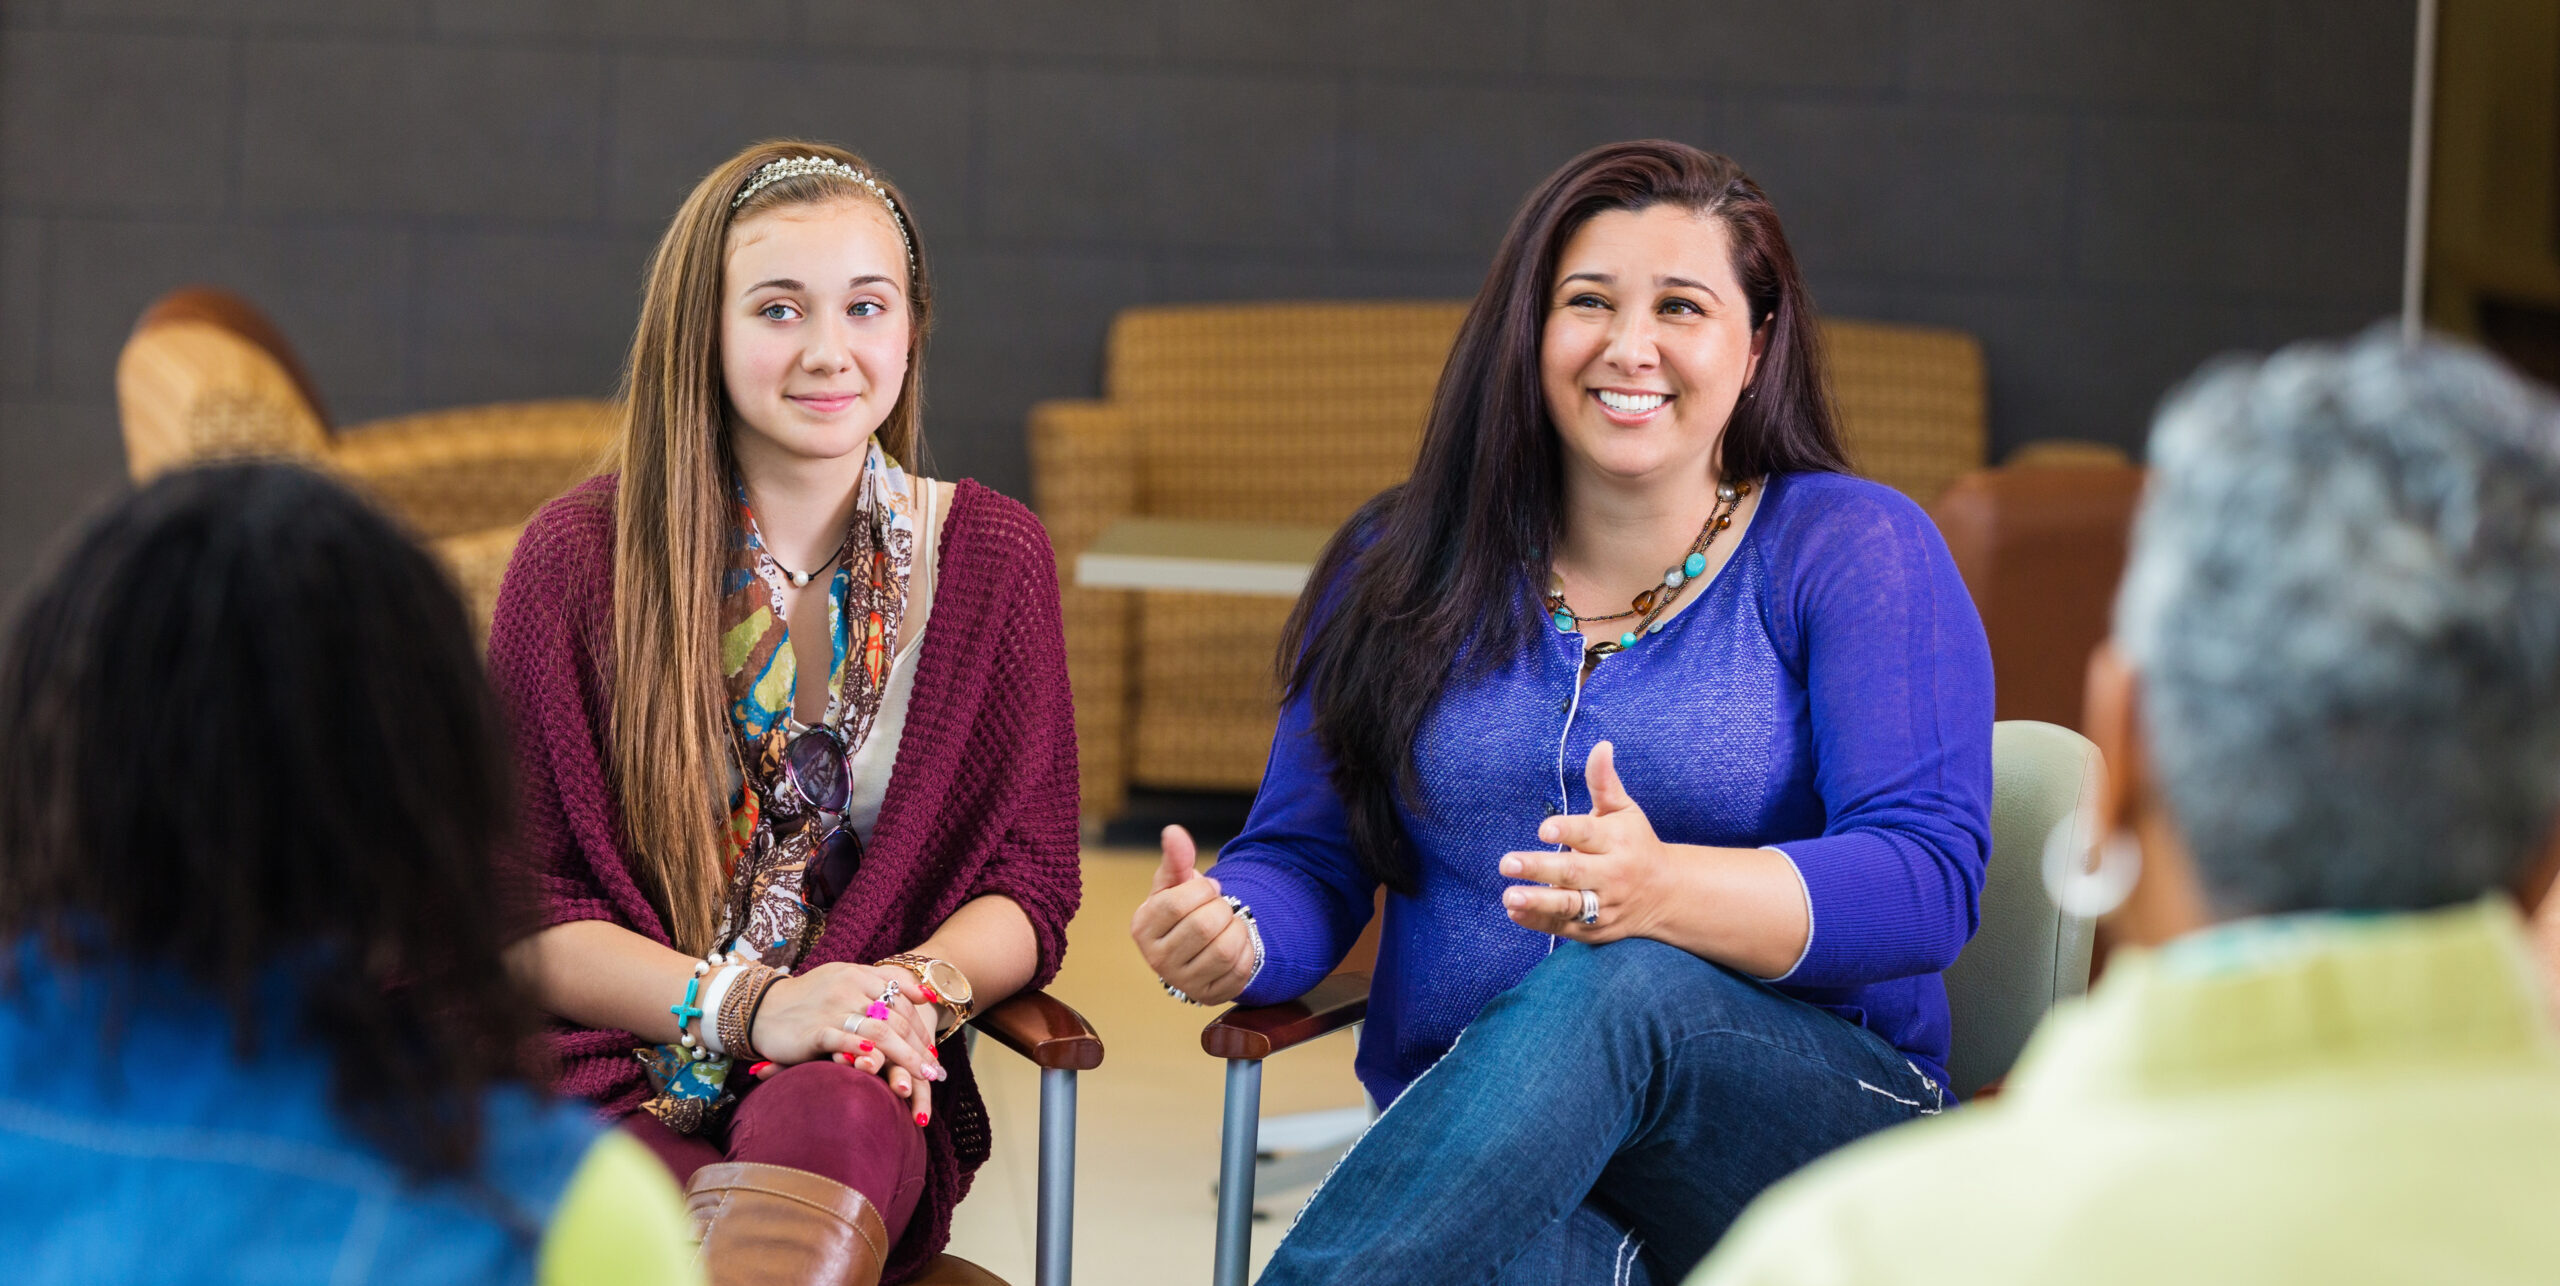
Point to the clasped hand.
(1611, 851)
(804, 1018)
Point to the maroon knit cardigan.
(982, 798)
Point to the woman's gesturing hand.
(1611, 851)
(1187, 932)
(824, 1014)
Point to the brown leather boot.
(770, 1225)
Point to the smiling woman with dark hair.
(251, 785)
(1670, 740)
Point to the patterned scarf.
(772, 831)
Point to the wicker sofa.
(1296, 413)
(206, 376)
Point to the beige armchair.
(1296, 413)
(205, 376)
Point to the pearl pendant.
(799, 580)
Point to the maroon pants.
(825, 1118)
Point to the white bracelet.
(1252, 930)
(712, 994)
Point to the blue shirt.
(1829, 694)
(149, 1150)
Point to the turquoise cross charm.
(685, 1010)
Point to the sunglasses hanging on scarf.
(818, 767)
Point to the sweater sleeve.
(546, 660)
(1037, 863)
(1898, 672)
(1293, 865)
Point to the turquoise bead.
(1564, 622)
(1696, 565)
(1627, 639)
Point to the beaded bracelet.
(736, 1028)
(689, 1013)
(1252, 931)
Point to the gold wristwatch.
(944, 983)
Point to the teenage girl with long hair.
(1669, 739)
(799, 759)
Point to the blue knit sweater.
(1829, 695)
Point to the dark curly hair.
(244, 728)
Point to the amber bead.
(1644, 601)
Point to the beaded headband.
(792, 167)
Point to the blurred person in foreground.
(251, 781)
(2331, 719)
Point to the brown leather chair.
(2041, 544)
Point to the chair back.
(1911, 402)
(2026, 955)
(205, 376)
(1276, 412)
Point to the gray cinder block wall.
(449, 201)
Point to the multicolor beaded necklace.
(1655, 601)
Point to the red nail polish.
(841, 1059)
(919, 1118)
(760, 1068)
(866, 1047)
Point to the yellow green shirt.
(620, 1222)
(2324, 1098)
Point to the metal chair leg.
(1057, 1225)
(1235, 1172)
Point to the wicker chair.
(1296, 413)
(205, 376)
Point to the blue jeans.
(1603, 1121)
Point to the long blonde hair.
(670, 543)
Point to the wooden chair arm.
(1263, 1030)
(1041, 1027)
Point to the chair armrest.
(1041, 1027)
(1263, 1030)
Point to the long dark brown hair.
(1439, 567)
(244, 736)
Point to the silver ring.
(1590, 907)
(890, 996)
(853, 1023)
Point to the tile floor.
(1147, 1130)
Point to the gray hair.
(2343, 600)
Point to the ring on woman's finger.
(1590, 907)
(888, 995)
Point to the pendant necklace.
(1655, 601)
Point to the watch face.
(948, 981)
